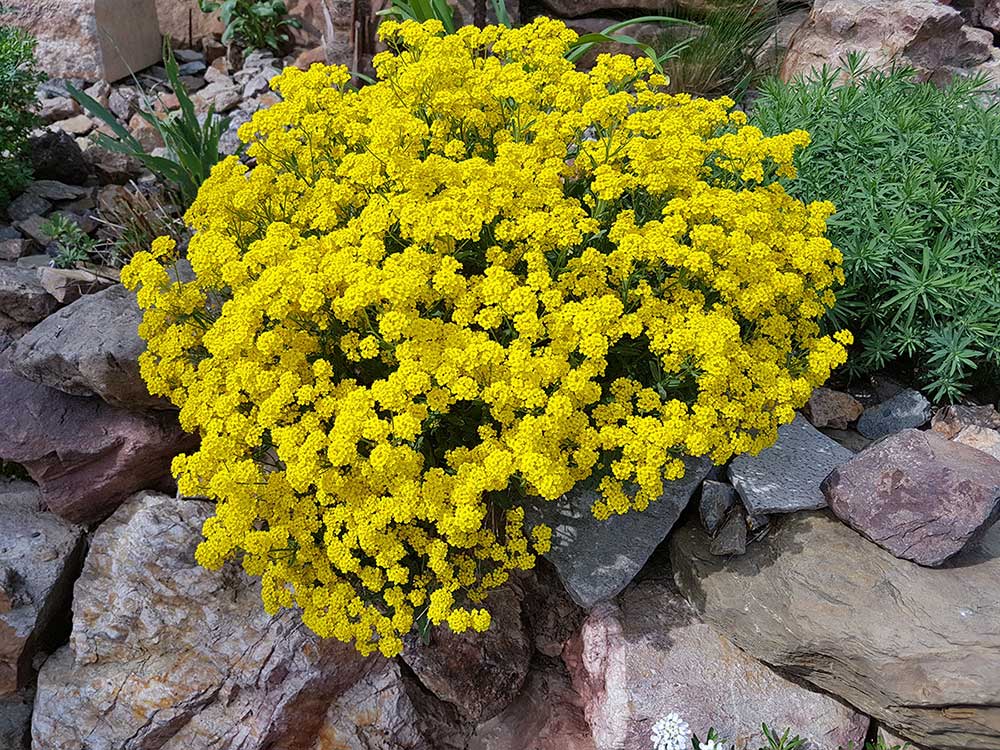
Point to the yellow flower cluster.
(464, 289)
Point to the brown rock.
(553, 617)
(916, 648)
(547, 715)
(951, 420)
(986, 13)
(918, 495)
(829, 408)
(652, 655)
(86, 456)
(309, 57)
(90, 39)
(57, 108)
(928, 35)
(145, 133)
(389, 709)
(39, 557)
(166, 654)
(479, 673)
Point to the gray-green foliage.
(75, 245)
(18, 80)
(914, 171)
(784, 741)
(256, 24)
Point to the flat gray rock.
(916, 648)
(22, 296)
(597, 559)
(732, 537)
(906, 409)
(786, 477)
(89, 348)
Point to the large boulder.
(389, 709)
(39, 558)
(89, 348)
(547, 715)
(478, 673)
(86, 456)
(917, 494)
(786, 476)
(928, 35)
(90, 39)
(917, 648)
(652, 655)
(165, 654)
(597, 559)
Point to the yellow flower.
(462, 291)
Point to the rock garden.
(591, 375)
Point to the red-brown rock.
(479, 673)
(918, 495)
(951, 420)
(86, 456)
(830, 408)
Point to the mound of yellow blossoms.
(463, 290)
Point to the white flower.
(671, 733)
(711, 745)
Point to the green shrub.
(18, 80)
(256, 24)
(914, 171)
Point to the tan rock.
(926, 34)
(980, 438)
(916, 648)
(183, 21)
(78, 125)
(951, 420)
(167, 655)
(90, 39)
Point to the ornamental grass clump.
(461, 291)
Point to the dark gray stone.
(786, 477)
(732, 537)
(55, 191)
(907, 408)
(14, 249)
(27, 204)
(55, 155)
(597, 559)
(15, 721)
(917, 494)
(716, 500)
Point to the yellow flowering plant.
(467, 288)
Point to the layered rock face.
(90, 39)
(165, 654)
(917, 648)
